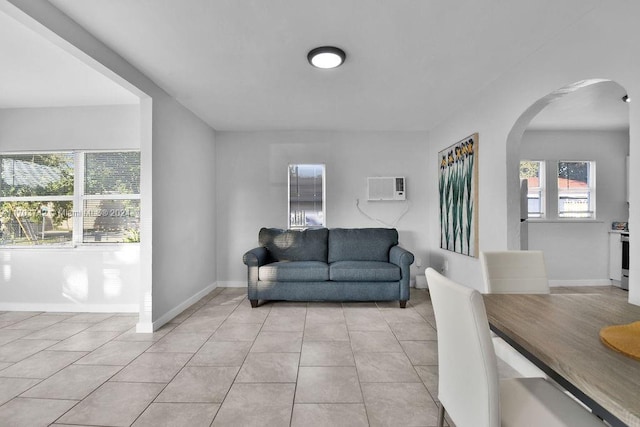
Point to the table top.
(560, 334)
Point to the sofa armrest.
(403, 259)
(400, 257)
(256, 257)
(253, 259)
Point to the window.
(534, 172)
(306, 196)
(41, 203)
(36, 198)
(111, 200)
(576, 189)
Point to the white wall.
(168, 252)
(65, 128)
(70, 279)
(252, 170)
(184, 210)
(601, 45)
(97, 278)
(577, 252)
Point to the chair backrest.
(513, 272)
(468, 384)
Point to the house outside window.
(67, 198)
(533, 171)
(306, 207)
(576, 189)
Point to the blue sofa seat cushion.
(361, 244)
(295, 245)
(364, 271)
(294, 271)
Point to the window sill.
(562, 221)
(96, 247)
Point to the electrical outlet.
(418, 262)
(445, 266)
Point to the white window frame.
(63, 198)
(590, 214)
(79, 180)
(78, 197)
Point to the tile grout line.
(119, 370)
(195, 308)
(79, 401)
(56, 372)
(187, 362)
(295, 387)
(239, 368)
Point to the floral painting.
(458, 186)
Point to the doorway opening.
(579, 138)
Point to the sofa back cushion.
(361, 244)
(295, 245)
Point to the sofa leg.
(403, 303)
(254, 303)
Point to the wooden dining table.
(560, 334)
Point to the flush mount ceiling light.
(626, 98)
(326, 57)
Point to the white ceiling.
(36, 73)
(241, 64)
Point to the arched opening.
(586, 124)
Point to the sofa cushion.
(359, 271)
(361, 244)
(295, 245)
(294, 271)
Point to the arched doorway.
(586, 122)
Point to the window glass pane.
(573, 175)
(534, 204)
(575, 192)
(36, 223)
(112, 173)
(306, 198)
(574, 206)
(533, 172)
(111, 221)
(36, 175)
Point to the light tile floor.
(222, 363)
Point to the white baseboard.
(584, 282)
(70, 308)
(144, 328)
(176, 310)
(232, 284)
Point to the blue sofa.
(338, 264)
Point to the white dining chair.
(469, 389)
(511, 272)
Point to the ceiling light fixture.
(626, 98)
(326, 57)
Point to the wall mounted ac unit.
(386, 188)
